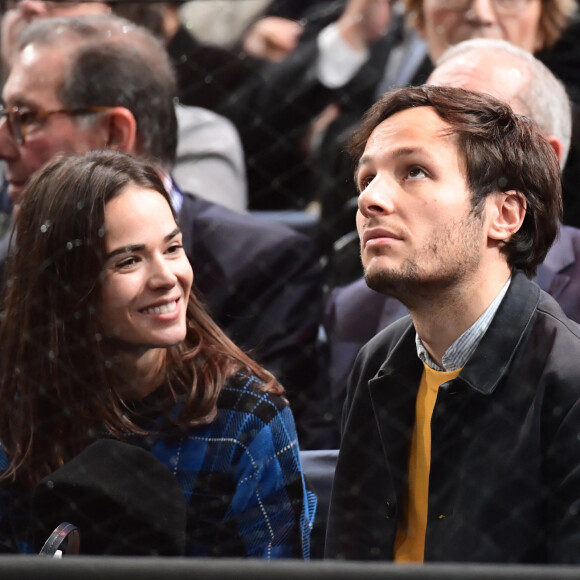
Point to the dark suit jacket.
(355, 313)
(504, 483)
(262, 282)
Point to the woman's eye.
(127, 262)
(174, 248)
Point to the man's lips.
(376, 236)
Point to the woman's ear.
(120, 129)
(506, 213)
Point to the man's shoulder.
(554, 318)
(244, 395)
(191, 120)
(216, 220)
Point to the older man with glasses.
(210, 159)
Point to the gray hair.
(543, 96)
(112, 62)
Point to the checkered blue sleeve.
(272, 505)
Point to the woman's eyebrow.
(139, 247)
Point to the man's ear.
(120, 129)
(506, 212)
(556, 146)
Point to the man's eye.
(27, 116)
(364, 182)
(416, 172)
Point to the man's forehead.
(412, 125)
(37, 72)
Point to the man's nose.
(8, 145)
(377, 198)
(481, 12)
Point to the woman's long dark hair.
(57, 386)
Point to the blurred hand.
(272, 38)
(364, 21)
(12, 25)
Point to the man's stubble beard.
(442, 264)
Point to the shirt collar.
(175, 194)
(457, 355)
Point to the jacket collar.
(402, 369)
(499, 344)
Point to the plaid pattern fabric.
(241, 476)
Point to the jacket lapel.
(393, 392)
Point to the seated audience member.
(101, 314)
(355, 313)
(548, 29)
(107, 83)
(274, 113)
(209, 160)
(459, 438)
(350, 63)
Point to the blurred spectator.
(348, 54)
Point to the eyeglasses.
(19, 120)
(501, 7)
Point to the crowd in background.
(251, 136)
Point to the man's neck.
(442, 319)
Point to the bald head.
(514, 76)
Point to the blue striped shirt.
(457, 355)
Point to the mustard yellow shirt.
(412, 527)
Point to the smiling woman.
(103, 337)
(147, 276)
